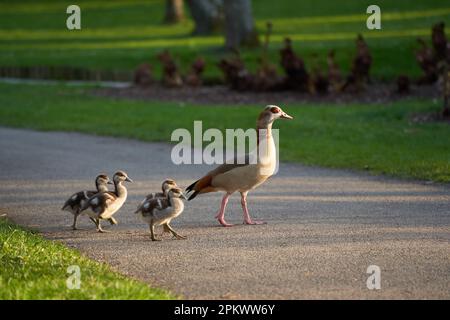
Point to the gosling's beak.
(128, 179)
(284, 115)
(183, 196)
(109, 182)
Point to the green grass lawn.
(32, 267)
(121, 34)
(378, 138)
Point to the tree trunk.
(239, 24)
(174, 11)
(207, 15)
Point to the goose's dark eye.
(275, 110)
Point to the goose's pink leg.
(221, 214)
(247, 219)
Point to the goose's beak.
(128, 179)
(284, 115)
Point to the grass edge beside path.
(32, 267)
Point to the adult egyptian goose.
(165, 187)
(103, 205)
(76, 201)
(247, 176)
(161, 211)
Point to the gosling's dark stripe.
(76, 202)
(158, 195)
(97, 203)
(151, 205)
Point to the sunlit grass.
(159, 31)
(28, 7)
(209, 41)
(122, 34)
(97, 33)
(351, 18)
(32, 267)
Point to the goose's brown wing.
(203, 185)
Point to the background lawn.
(378, 138)
(122, 34)
(34, 268)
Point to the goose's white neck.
(121, 191)
(264, 125)
(264, 130)
(267, 152)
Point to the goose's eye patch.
(275, 110)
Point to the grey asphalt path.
(325, 227)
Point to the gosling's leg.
(75, 217)
(165, 230)
(93, 220)
(99, 226)
(175, 234)
(152, 232)
(112, 221)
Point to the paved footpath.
(325, 227)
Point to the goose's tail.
(192, 188)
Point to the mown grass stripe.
(211, 41)
(386, 16)
(162, 31)
(48, 7)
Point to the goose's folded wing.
(203, 185)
